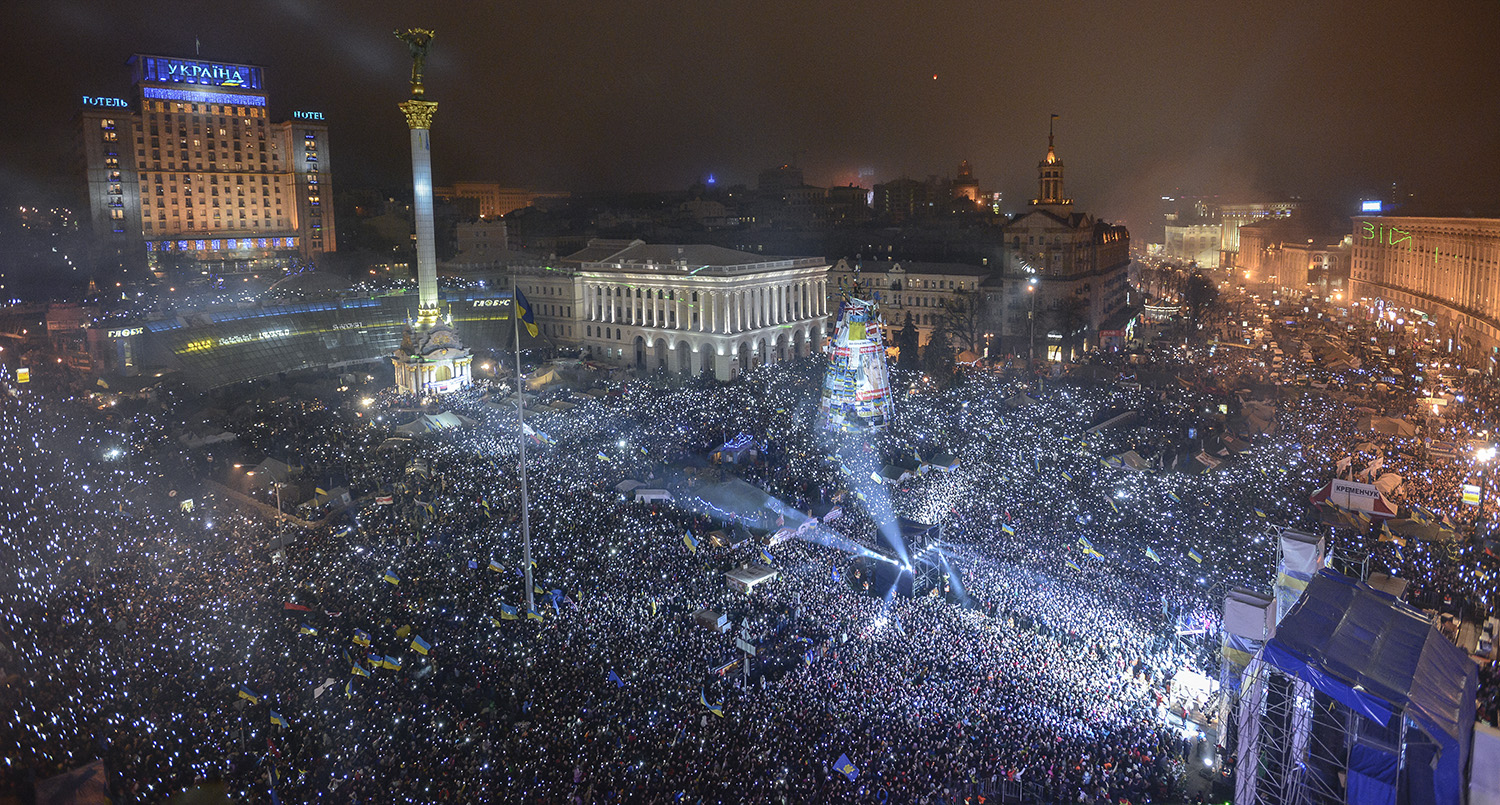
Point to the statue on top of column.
(418, 40)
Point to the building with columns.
(690, 309)
(1447, 270)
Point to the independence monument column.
(431, 358)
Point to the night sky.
(1329, 100)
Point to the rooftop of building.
(919, 267)
(621, 254)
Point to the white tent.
(1388, 483)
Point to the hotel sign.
(160, 70)
(126, 332)
(99, 100)
(308, 115)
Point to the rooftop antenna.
(197, 47)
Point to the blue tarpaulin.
(1382, 659)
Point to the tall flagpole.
(515, 305)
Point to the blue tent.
(1383, 659)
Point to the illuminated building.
(492, 200)
(1063, 285)
(196, 173)
(1233, 216)
(965, 185)
(432, 358)
(856, 386)
(210, 348)
(693, 309)
(1444, 270)
(1288, 255)
(925, 290)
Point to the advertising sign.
(162, 70)
(1471, 494)
(1354, 495)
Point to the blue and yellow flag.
(1151, 554)
(495, 566)
(392, 577)
(1259, 513)
(1088, 547)
(600, 455)
(358, 670)
(1008, 528)
(248, 695)
(692, 544)
(716, 709)
(845, 767)
(349, 688)
(1173, 496)
(419, 645)
(523, 308)
(305, 629)
(1195, 556)
(1067, 477)
(362, 638)
(277, 719)
(509, 613)
(533, 615)
(392, 662)
(1074, 565)
(765, 556)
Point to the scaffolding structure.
(857, 387)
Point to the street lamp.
(1031, 348)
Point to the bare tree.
(967, 315)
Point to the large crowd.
(388, 655)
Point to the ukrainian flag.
(716, 709)
(1112, 505)
(1195, 556)
(692, 544)
(277, 719)
(1088, 547)
(533, 615)
(1151, 554)
(305, 629)
(419, 645)
(249, 695)
(1260, 514)
(1067, 477)
(1074, 565)
(601, 456)
(523, 308)
(495, 566)
(318, 490)
(1173, 496)
(358, 670)
(362, 638)
(392, 662)
(509, 613)
(1008, 528)
(765, 556)
(392, 577)
(349, 688)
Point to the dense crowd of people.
(389, 654)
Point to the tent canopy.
(1382, 658)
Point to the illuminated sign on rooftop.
(1370, 206)
(99, 100)
(162, 70)
(308, 115)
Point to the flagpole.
(515, 305)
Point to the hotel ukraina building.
(688, 309)
(1446, 268)
(191, 171)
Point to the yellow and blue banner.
(248, 695)
(419, 645)
(277, 719)
(523, 309)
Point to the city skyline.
(1330, 102)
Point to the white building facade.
(692, 310)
